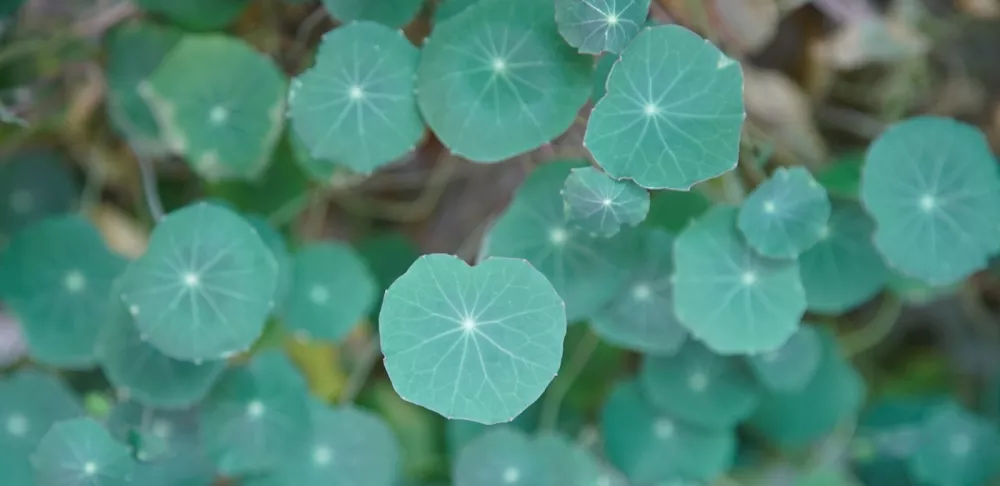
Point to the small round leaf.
(786, 215)
(955, 447)
(792, 366)
(601, 205)
(501, 457)
(79, 452)
(595, 26)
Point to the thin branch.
(876, 330)
(149, 185)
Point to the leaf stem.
(362, 369)
(876, 330)
(149, 185)
(560, 387)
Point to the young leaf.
(197, 14)
(955, 447)
(79, 452)
(169, 452)
(700, 387)
(56, 275)
(672, 114)
(595, 26)
(786, 215)
(33, 185)
(485, 81)
(356, 105)
(205, 285)
(332, 290)
(393, 13)
(219, 104)
(501, 457)
(792, 366)
(727, 295)
(474, 343)
(601, 205)
(932, 186)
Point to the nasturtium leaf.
(356, 106)
(279, 248)
(144, 373)
(281, 191)
(56, 276)
(219, 104)
(134, 52)
(641, 316)
(727, 295)
(485, 80)
(843, 177)
(197, 14)
(672, 114)
(458, 433)
(586, 271)
(446, 9)
(595, 26)
(843, 269)
(932, 186)
(600, 205)
(568, 461)
(786, 215)
(700, 387)
(256, 420)
(33, 184)
(835, 393)
(651, 446)
(673, 210)
(168, 449)
(205, 285)
(79, 452)
(792, 366)
(349, 447)
(502, 457)
(392, 13)
(601, 72)
(889, 430)
(955, 448)
(474, 343)
(275, 366)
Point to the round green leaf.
(79, 452)
(672, 114)
(786, 215)
(485, 80)
(56, 276)
(458, 433)
(956, 448)
(843, 269)
(650, 446)
(276, 243)
(280, 192)
(349, 447)
(393, 13)
(446, 9)
(332, 290)
(792, 366)
(601, 205)
(641, 316)
(700, 387)
(33, 185)
(571, 463)
(890, 427)
(595, 26)
(501, 457)
(932, 186)
(219, 104)
(727, 295)
(356, 105)
(474, 343)
(166, 444)
(585, 270)
(205, 285)
(197, 14)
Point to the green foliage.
(955, 447)
(164, 443)
(785, 215)
(601, 205)
(33, 184)
(501, 457)
(197, 14)
(80, 452)
(393, 13)
(792, 366)
(595, 26)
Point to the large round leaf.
(165, 443)
(79, 452)
(33, 185)
(501, 457)
(601, 205)
(356, 105)
(933, 187)
(672, 114)
(205, 285)
(197, 14)
(792, 366)
(786, 215)
(595, 26)
(486, 78)
(476, 343)
(394, 13)
(56, 275)
(956, 448)
(727, 295)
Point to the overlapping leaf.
(79, 452)
(601, 205)
(393, 13)
(595, 26)
(499, 458)
(955, 447)
(165, 443)
(197, 14)
(786, 215)
(792, 366)
(33, 184)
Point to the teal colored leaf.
(280, 192)
(168, 451)
(356, 106)
(197, 14)
(601, 205)
(142, 372)
(585, 270)
(932, 186)
(388, 256)
(79, 452)
(393, 13)
(727, 295)
(256, 420)
(458, 433)
(30, 402)
(485, 80)
(474, 343)
(673, 112)
(279, 249)
(56, 276)
(792, 366)
(641, 317)
(673, 210)
(890, 427)
(699, 387)
(843, 177)
(501, 457)
(33, 184)
(956, 448)
(786, 215)
(843, 269)
(332, 290)
(651, 446)
(601, 72)
(219, 104)
(595, 26)
(797, 418)
(446, 9)
(571, 463)
(349, 447)
(275, 366)
(205, 285)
